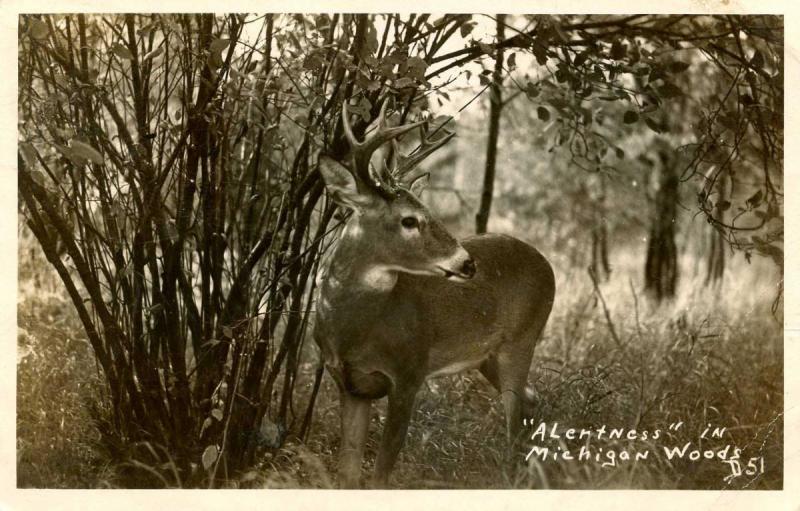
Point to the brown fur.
(386, 342)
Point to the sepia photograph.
(388, 250)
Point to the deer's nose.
(468, 268)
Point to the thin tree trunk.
(661, 267)
(716, 254)
(600, 264)
(496, 105)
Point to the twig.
(635, 309)
(610, 323)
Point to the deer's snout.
(468, 268)
(458, 267)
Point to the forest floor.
(712, 358)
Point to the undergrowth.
(712, 357)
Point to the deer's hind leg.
(507, 370)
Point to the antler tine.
(362, 151)
(426, 148)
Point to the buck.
(403, 301)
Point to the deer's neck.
(353, 270)
(354, 292)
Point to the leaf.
(153, 54)
(558, 102)
(630, 117)
(438, 22)
(86, 151)
(416, 68)
(227, 332)
(206, 424)
(361, 108)
(540, 51)
(586, 92)
(619, 152)
(724, 205)
(270, 432)
(314, 60)
(485, 48)
(562, 75)
(121, 51)
(484, 79)
(580, 59)
(618, 50)
(404, 82)
(543, 113)
(37, 28)
(669, 90)
(28, 153)
(758, 60)
(656, 72)
(210, 456)
(217, 45)
(755, 199)
(466, 28)
(653, 125)
(217, 414)
(38, 176)
(69, 154)
(677, 66)
(145, 30)
(531, 90)
(512, 62)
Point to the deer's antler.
(402, 165)
(362, 151)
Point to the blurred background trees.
(167, 168)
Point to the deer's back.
(460, 322)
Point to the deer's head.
(389, 223)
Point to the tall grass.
(714, 355)
(57, 384)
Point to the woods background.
(173, 223)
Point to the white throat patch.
(379, 277)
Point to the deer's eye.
(410, 222)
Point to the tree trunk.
(599, 263)
(661, 267)
(496, 105)
(716, 254)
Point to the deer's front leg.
(355, 425)
(401, 407)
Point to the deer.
(403, 301)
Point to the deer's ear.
(419, 183)
(342, 185)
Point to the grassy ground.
(57, 385)
(712, 357)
